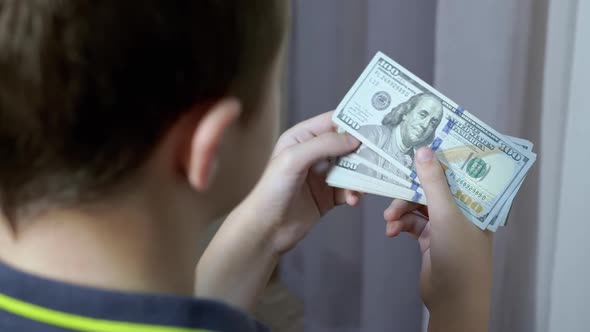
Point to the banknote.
(367, 167)
(350, 172)
(345, 175)
(383, 172)
(502, 217)
(392, 112)
(341, 180)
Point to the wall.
(570, 289)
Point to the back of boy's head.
(87, 88)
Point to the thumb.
(434, 183)
(302, 156)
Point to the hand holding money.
(394, 113)
(456, 273)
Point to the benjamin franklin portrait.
(409, 126)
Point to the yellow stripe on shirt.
(79, 323)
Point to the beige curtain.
(570, 289)
(523, 66)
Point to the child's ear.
(201, 162)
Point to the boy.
(126, 126)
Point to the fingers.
(410, 223)
(305, 131)
(353, 198)
(434, 183)
(300, 157)
(346, 196)
(398, 208)
(318, 125)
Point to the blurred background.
(521, 66)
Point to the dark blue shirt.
(33, 304)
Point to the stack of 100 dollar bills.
(393, 113)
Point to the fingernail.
(390, 229)
(321, 167)
(352, 140)
(387, 214)
(424, 154)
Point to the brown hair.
(88, 87)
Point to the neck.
(129, 249)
